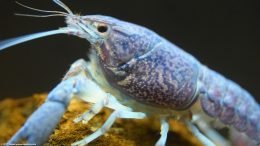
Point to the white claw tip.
(76, 120)
(84, 121)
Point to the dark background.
(222, 34)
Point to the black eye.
(102, 28)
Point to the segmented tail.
(230, 103)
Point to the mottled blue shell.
(146, 67)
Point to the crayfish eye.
(102, 28)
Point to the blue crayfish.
(138, 74)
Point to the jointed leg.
(91, 92)
(164, 132)
(108, 101)
(89, 114)
(200, 136)
(109, 123)
(210, 132)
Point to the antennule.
(65, 7)
(40, 10)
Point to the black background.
(224, 35)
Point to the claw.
(88, 115)
(43, 121)
(40, 125)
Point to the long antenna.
(18, 40)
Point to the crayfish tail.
(230, 103)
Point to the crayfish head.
(116, 42)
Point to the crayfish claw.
(38, 127)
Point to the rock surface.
(125, 132)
